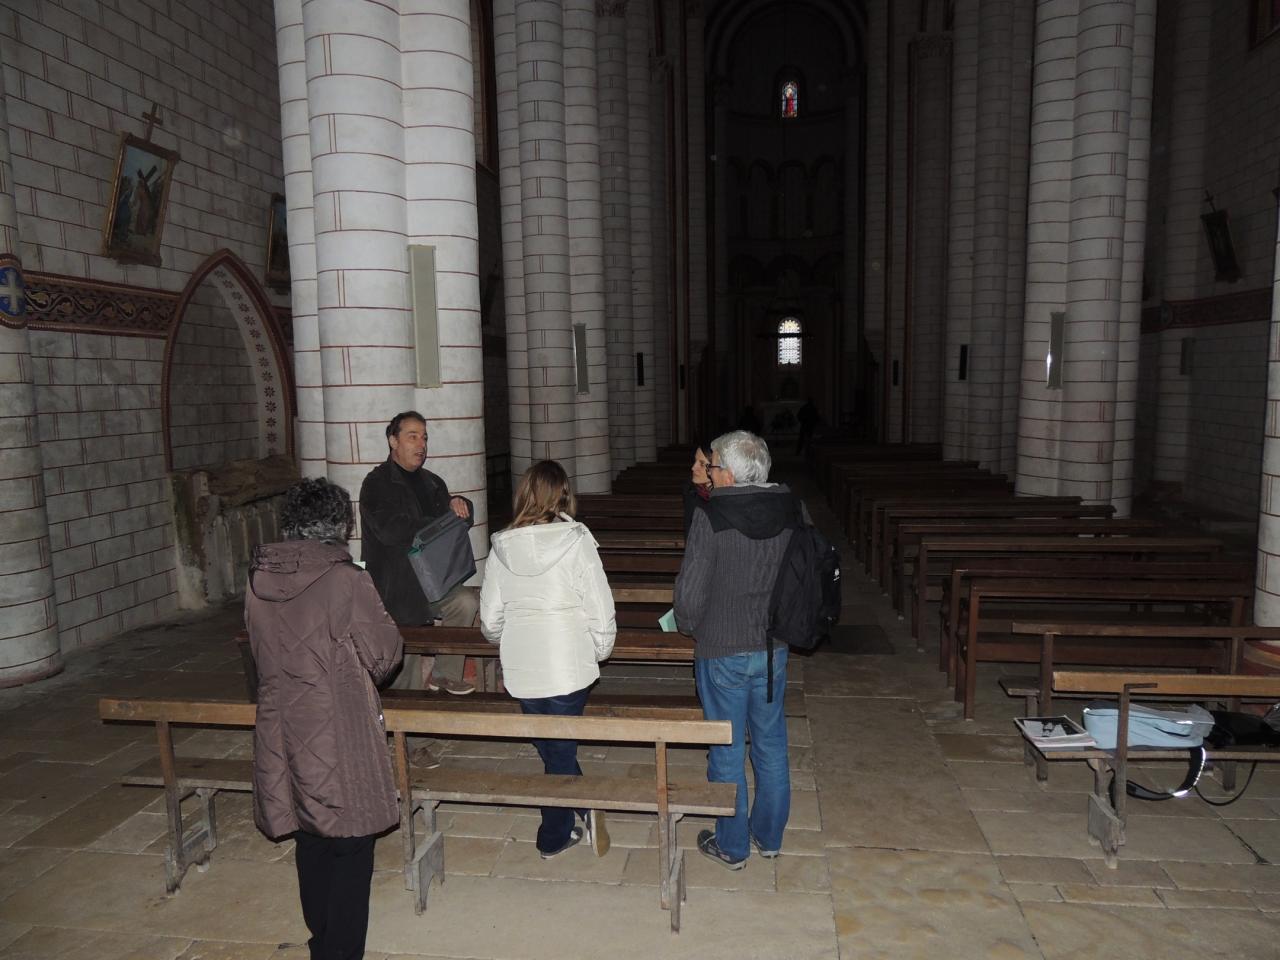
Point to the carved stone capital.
(611, 8)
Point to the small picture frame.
(277, 271)
(1217, 228)
(139, 199)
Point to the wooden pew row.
(1107, 808)
(994, 604)
(830, 458)
(955, 591)
(937, 554)
(421, 791)
(942, 484)
(902, 528)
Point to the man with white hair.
(732, 556)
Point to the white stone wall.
(77, 75)
(101, 442)
(81, 73)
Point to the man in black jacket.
(397, 499)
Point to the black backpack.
(805, 601)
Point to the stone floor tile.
(1262, 877)
(228, 950)
(90, 819)
(48, 942)
(9, 932)
(899, 815)
(521, 860)
(1129, 873)
(968, 747)
(805, 811)
(1092, 893)
(1027, 801)
(893, 904)
(13, 827)
(473, 856)
(1210, 899)
(700, 871)
(1262, 836)
(19, 867)
(1043, 870)
(1035, 892)
(476, 822)
(1185, 838)
(799, 874)
(1080, 931)
(570, 921)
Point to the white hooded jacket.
(546, 602)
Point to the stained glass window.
(790, 99)
(789, 342)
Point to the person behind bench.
(397, 499)
(732, 555)
(321, 773)
(546, 602)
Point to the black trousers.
(334, 874)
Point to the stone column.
(639, 25)
(504, 49)
(1135, 246)
(1024, 25)
(29, 646)
(1184, 245)
(615, 182)
(853, 363)
(1095, 249)
(960, 233)
(930, 133)
(991, 232)
(295, 135)
(663, 379)
(1265, 658)
(440, 187)
(354, 92)
(545, 221)
(696, 85)
(725, 334)
(586, 242)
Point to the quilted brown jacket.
(322, 640)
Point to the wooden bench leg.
(672, 890)
(1106, 824)
(428, 863)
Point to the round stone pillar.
(639, 24)
(354, 92)
(545, 223)
(615, 182)
(586, 245)
(504, 51)
(1265, 657)
(295, 135)
(29, 647)
(440, 199)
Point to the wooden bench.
(1137, 638)
(945, 550)
(966, 483)
(955, 590)
(988, 639)
(421, 791)
(899, 537)
(1107, 808)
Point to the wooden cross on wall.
(153, 120)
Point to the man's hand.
(460, 507)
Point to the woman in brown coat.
(321, 773)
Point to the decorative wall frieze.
(1245, 307)
(68, 303)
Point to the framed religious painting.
(139, 197)
(277, 273)
(1217, 230)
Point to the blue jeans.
(735, 688)
(558, 757)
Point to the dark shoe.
(458, 688)
(574, 836)
(708, 847)
(767, 854)
(597, 832)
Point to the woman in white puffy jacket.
(547, 604)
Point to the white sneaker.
(597, 832)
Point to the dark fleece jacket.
(731, 559)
